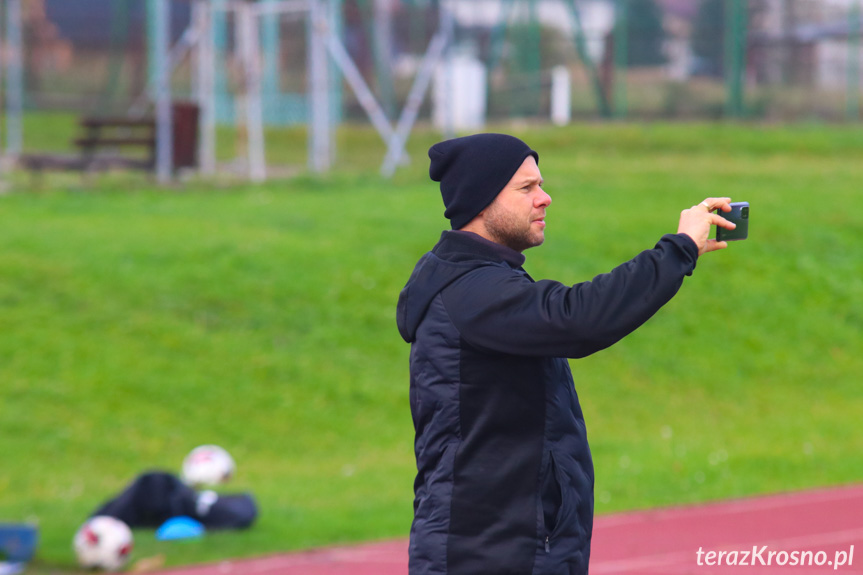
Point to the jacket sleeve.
(499, 311)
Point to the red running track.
(802, 530)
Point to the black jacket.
(504, 479)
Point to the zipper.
(547, 544)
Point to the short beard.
(506, 230)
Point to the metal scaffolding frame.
(323, 44)
(197, 41)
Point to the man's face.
(516, 218)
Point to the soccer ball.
(103, 543)
(208, 465)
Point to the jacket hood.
(430, 276)
(456, 254)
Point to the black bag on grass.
(154, 497)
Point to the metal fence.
(774, 60)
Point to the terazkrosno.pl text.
(764, 556)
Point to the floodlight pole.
(162, 69)
(14, 79)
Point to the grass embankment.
(138, 323)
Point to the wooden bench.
(104, 137)
(102, 146)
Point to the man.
(504, 479)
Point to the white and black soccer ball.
(208, 465)
(103, 542)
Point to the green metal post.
(336, 91)
(270, 81)
(118, 34)
(534, 63)
(151, 46)
(735, 56)
(584, 55)
(852, 99)
(161, 48)
(498, 34)
(621, 51)
(223, 99)
(417, 27)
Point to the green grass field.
(138, 323)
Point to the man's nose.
(542, 199)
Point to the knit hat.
(473, 170)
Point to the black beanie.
(473, 170)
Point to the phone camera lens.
(744, 213)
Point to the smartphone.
(739, 214)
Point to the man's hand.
(696, 221)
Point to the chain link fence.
(775, 60)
